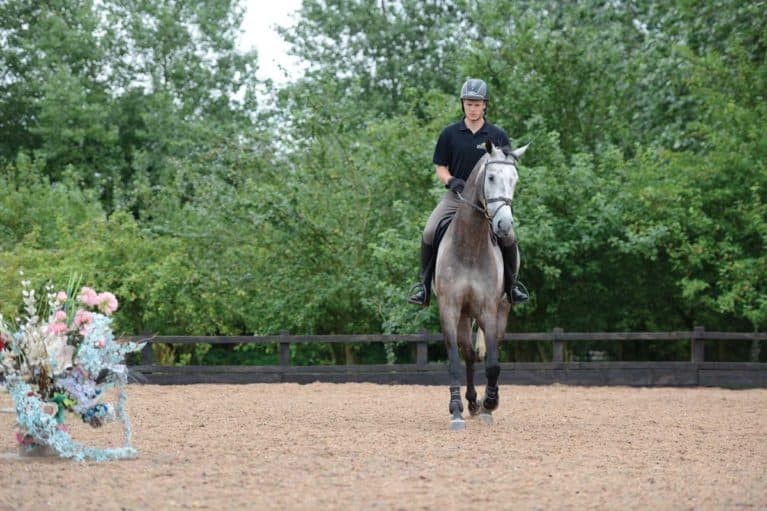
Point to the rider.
(459, 148)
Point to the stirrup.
(508, 294)
(418, 296)
(524, 293)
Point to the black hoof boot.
(490, 402)
(456, 409)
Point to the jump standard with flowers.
(64, 365)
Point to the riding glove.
(455, 185)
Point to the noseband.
(482, 207)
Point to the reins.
(465, 201)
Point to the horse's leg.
(492, 371)
(469, 357)
(450, 331)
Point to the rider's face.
(474, 109)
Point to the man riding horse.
(459, 147)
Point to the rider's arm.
(443, 174)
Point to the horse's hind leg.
(492, 364)
(492, 371)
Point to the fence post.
(284, 350)
(422, 350)
(348, 354)
(558, 345)
(697, 345)
(147, 355)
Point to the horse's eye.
(491, 178)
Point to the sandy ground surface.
(366, 446)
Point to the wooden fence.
(695, 372)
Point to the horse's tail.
(479, 345)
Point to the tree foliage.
(133, 150)
(378, 50)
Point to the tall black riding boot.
(421, 292)
(515, 294)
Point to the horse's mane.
(479, 179)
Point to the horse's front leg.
(470, 358)
(492, 371)
(454, 369)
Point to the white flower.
(64, 359)
(34, 342)
(59, 354)
(7, 365)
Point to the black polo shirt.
(459, 149)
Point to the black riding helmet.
(473, 88)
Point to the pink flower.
(61, 316)
(107, 302)
(2, 344)
(61, 296)
(57, 328)
(88, 296)
(101, 343)
(83, 317)
(24, 439)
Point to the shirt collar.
(483, 129)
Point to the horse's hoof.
(473, 409)
(457, 424)
(486, 418)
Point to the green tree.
(115, 91)
(376, 50)
(641, 203)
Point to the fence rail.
(695, 372)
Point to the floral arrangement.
(62, 365)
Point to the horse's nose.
(503, 226)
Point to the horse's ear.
(489, 146)
(517, 154)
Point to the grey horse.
(468, 279)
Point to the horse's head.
(499, 179)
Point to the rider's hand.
(455, 185)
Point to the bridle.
(482, 206)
